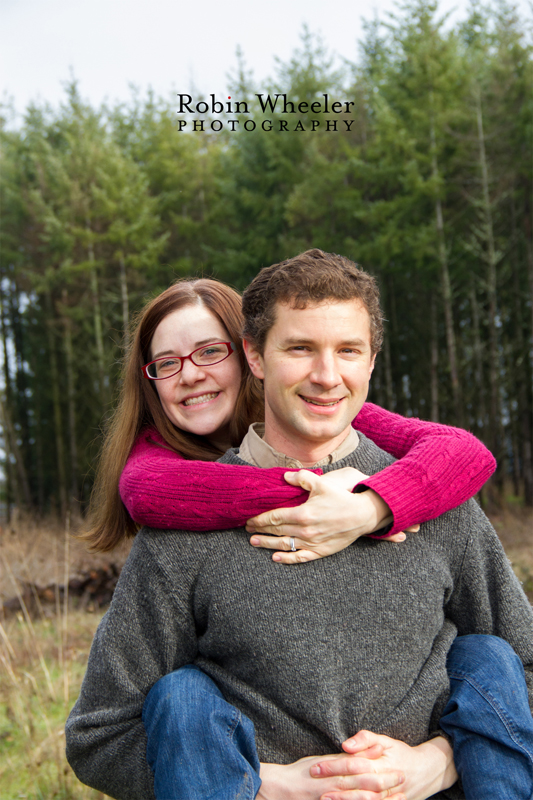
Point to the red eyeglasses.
(206, 356)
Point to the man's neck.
(308, 453)
(255, 450)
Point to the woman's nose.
(191, 372)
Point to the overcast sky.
(171, 46)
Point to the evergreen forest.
(426, 182)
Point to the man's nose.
(191, 372)
(325, 372)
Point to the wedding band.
(293, 546)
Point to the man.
(304, 658)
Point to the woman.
(197, 404)
(157, 468)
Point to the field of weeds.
(515, 529)
(45, 636)
(46, 633)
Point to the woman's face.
(200, 400)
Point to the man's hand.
(428, 768)
(366, 780)
(330, 520)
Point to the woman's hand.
(365, 780)
(427, 768)
(330, 520)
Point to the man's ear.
(373, 363)
(254, 358)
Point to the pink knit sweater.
(439, 468)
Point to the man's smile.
(315, 401)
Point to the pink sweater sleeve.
(163, 490)
(440, 467)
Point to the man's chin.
(323, 430)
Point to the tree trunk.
(527, 424)
(391, 404)
(39, 458)
(446, 287)
(495, 416)
(125, 300)
(58, 417)
(19, 399)
(434, 362)
(388, 302)
(97, 318)
(10, 482)
(379, 383)
(69, 360)
(18, 488)
(529, 249)
(523, 414)
(495, 410)
(481, 413)
(22, 484)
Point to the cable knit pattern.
(440, 468)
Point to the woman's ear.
(254, 358)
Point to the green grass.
(41, 669)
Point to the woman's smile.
(195, 400)
(199, 399)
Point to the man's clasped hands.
(373, 767)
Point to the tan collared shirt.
(257, 452)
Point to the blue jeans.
(488, 719)
(201, 747)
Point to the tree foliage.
(429, 187)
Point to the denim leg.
(199, 746)
(489, 720)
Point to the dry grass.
(42, 661)
(40, 552)
(43, 658)
(515, 529)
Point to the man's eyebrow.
(303, 340)
(199, 343)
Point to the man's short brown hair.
(306, 279)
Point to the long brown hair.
(139, 406)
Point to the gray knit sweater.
(310, 653)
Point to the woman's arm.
(440, 467)
(163, 490)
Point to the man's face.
(316, 368)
